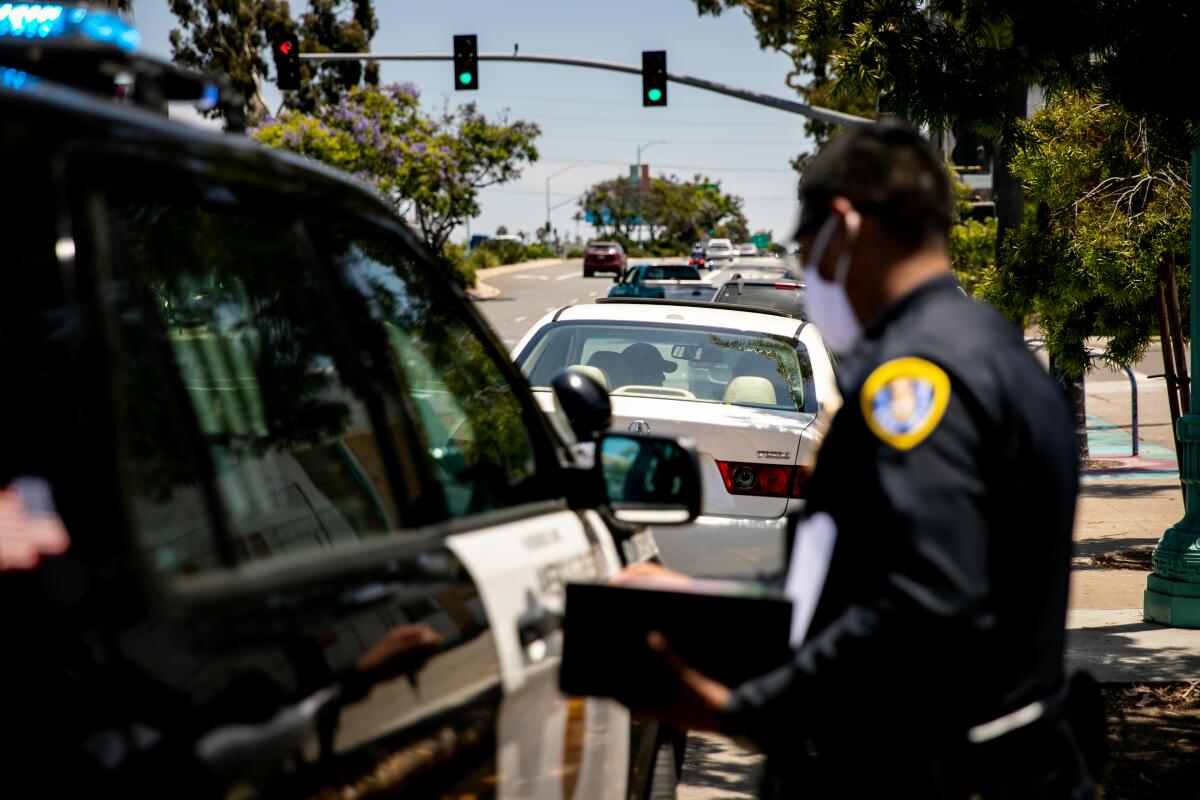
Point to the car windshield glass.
(676, 362)
(789, 300)
(599, 248)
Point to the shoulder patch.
(903, 401)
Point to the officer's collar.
(947, 282)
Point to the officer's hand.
(698, 700)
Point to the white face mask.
(828, 306)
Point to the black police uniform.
(951, 474)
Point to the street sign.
(605, 216)
(761, 240)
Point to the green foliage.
(575, 252)
(430, 168)
(677, 213)
(973, 250)
(1111, 197)
(232, 37)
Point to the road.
(527, 295)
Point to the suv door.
(496, 472)
(305, 638)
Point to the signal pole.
(640, 148)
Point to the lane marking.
(520, 319)
(551, 308)
(531, 277)
(566, 277)
(592, 294)
(573, 301)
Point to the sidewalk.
(1125, 504)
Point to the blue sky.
(589, 116)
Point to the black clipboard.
(728, 630)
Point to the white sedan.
(753, 388)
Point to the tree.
(427, 167)
(1110, 194)
(676, 212)
(502, 231)
(232, 37)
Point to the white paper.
(811, 554)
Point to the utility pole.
(552, 177)
(638, 174)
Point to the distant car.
(746, 249)
(663, 281)
(749, 386)
(781, 295)
(604, 257)
(719, 248)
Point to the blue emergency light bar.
(43, 22)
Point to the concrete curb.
(485, 291)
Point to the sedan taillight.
(764, 480)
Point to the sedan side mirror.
(652, 480)
(584, 403)
(617, 278)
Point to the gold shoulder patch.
(903, 400)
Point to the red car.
(604, 257)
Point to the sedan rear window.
(601, 247)
(677, 362)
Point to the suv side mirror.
(649, 479)
(583, 402)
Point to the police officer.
(930, 572)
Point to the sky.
(592, 117)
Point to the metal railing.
(1093, 356)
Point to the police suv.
(319, 529)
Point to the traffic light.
(654, 77)
(286, 50)
(466, 63)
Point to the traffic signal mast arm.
(783, 104)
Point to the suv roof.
(62, 113)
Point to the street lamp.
(640, 148)
(552, 177)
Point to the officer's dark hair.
(887, 170)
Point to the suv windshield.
(682, 363)
(671, 273)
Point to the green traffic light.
(465, 78)
(655, 95)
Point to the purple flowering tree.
(430, 168)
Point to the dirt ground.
(1154, 741)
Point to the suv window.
(232, 301)
(473, 424)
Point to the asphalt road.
(526, 296)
